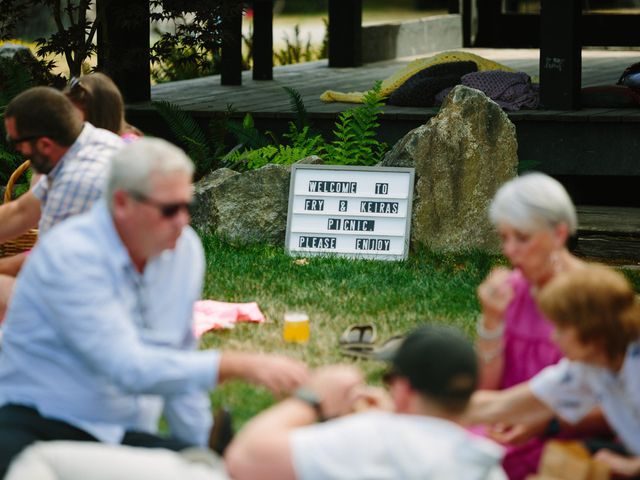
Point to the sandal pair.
(358, 341)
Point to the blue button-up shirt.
(87, 338)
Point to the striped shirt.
(78, 179)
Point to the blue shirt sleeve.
(97, 328)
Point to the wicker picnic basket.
(26, 240)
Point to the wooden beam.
(123, 46)
(263, 40)
(231, 61)
(345, 33)
(560, 54)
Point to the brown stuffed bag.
(569, 460)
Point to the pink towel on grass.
(213, 315)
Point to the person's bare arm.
(10, 266)
(621, 466)
(262, 448)
(494, 294)
(18, 216)
(512, 406)
(278, 373)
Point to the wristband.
(312, 399)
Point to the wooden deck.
(610, 234)
(582, 146)
(590, 150)
(589, 144)
(311, 79)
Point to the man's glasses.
(12, 143)
(167, 210)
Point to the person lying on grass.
(433, 373)
(596, 317)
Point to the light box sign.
(356, 212)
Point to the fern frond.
(250, 137)
(297, 106)
(189, 133)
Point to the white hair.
(531, 202)
(133, 167)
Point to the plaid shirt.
(78, 179)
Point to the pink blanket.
(213, 315)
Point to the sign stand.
(354, 212)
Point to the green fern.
(247, 134)
(356, 142)
(202, 150)
(297, 106)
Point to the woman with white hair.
(535, 218)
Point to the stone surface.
(246, 208)
(461, 157)
(205, 195)
(311, 160)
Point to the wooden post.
(560, 54)
(231, 61)
(263, 40)
(345, 33)
(467, 15)
(123, 46)
(488, 29)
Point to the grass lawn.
(335, 292)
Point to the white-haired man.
(100, 320)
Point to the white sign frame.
(395, 224)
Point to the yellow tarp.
(401, 76)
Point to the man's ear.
(402, 394)
(120, 202)
(47, 145)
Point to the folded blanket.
(421, 88)
(510, 90)
(212, 315)
(394, 81)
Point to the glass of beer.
(296, 327)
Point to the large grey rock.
(250, 207)
(205, 195)
(461, 157)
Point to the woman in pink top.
(534, 217)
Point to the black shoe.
(222, 431)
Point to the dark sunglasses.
(12, 143)
(167, 210)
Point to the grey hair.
(531, 202)
(133, 167)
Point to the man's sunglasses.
(167, 210)
(12, 143)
